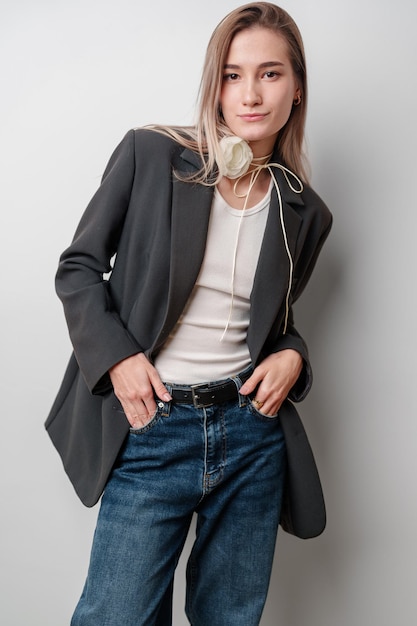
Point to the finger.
(251, 384)
(257, 403)
(139, 402)
(272, 403)
(139, 421)
(136, 413)
(159, 388)
(267, 407)
(268, 400)
(148, 402)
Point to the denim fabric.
(226, 463)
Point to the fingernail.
(166, 397)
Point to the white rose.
(237, 156)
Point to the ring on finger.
(258, 403)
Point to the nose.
(251, 94)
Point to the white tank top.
(199, 350)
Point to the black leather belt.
(207, 394)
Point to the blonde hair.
(205, 136)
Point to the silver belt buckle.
(195, 397)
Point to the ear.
(297, 97)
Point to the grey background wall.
(75, 76)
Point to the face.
(259, 87)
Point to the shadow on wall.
(305, 571)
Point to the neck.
(246, 191)
(257, 162)
(261, 147)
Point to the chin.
(268, 142)
(258, 136)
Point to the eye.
(230, 77)
(272, 74)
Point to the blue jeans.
(225, 462)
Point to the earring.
(297, 101)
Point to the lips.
(253, 117)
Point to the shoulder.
(152, 137)
(312, 201)
(148, 141)
(153, 145)
(315, 208)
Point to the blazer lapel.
(191, 204)
(272, 274)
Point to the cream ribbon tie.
(254, 174)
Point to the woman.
(190, 344)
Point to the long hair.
(210, 127)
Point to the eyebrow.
(231, 66)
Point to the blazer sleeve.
(293, 340)
(97, 333)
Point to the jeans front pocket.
(152, 422)
(160, 411)
(263, 417)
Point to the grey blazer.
(145, 231)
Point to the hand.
(135, 383)
(275, 375)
